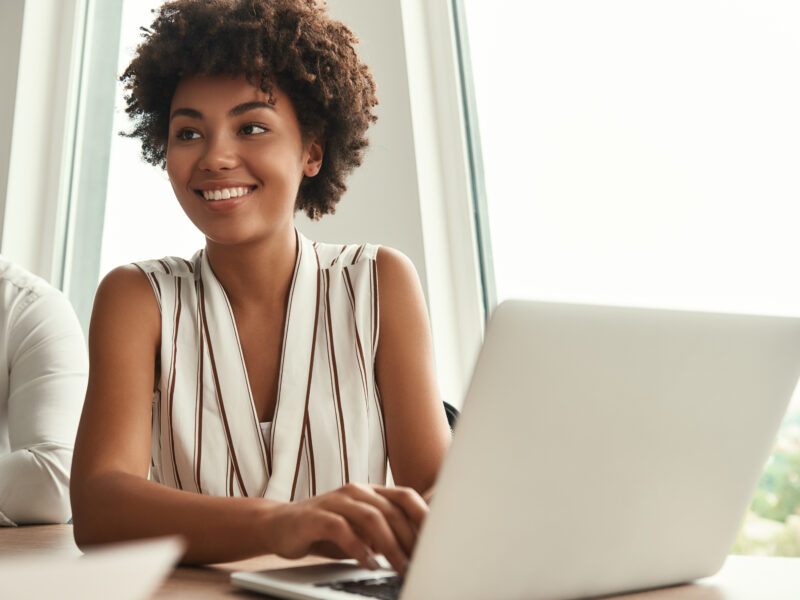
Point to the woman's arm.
(113, 500)
(416, 425)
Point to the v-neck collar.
(302, 314)
(237, 406)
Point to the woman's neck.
(255, 274)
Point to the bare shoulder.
(397, 276)
(403, 308)
(393, 259)
(124, 302)
(126, 279)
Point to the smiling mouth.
(225, 193)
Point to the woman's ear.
(313, 158)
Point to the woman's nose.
(219, 154)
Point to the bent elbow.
(83, 526)
(38, 489)
(83, 535)
(86, 528)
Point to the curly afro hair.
(292, 44)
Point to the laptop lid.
(603, 449)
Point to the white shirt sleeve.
(47, 369)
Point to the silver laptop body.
(600, 450)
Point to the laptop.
(600, 450)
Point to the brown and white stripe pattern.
(328, 425)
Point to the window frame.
(93, 119)
(45, 43)
(475, 157)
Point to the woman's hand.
(358, 520)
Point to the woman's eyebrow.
(188, 112)
(246, 106)
(235, 111)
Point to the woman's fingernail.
(372, 562)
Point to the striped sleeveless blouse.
(328, 426)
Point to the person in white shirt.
(42, 386)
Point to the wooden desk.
(742, 578)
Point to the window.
(123, 209)
(146, 222)
(389, 198)
(646, 153)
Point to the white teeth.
(225, 194)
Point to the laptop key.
(385, 588)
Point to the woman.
(286, 373)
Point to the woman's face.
(235, 161)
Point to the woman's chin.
(238, 237)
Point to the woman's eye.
(253, 129)
(187, 135)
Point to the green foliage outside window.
(772, 525)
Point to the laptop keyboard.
(386, 588)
